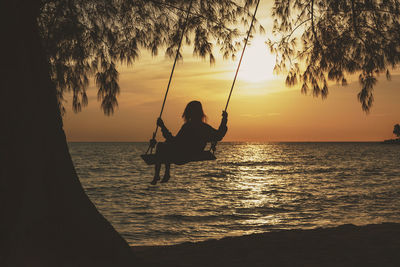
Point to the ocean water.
(250, 188)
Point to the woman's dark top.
(193, 136)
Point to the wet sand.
(346, 245)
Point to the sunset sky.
(262, 108)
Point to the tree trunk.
(46, 219)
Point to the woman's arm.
(217, 135)
(165, 132)
(222, 129)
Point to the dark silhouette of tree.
(48, 48)
(396, 130)
(321, 40)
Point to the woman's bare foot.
(155, 180)
(165, 178)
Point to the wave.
(258, 163)
(204, 218)
(262, 210)
(220, 174)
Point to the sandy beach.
(346, 245)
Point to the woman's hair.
(194, 112)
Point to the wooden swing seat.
(150, 159)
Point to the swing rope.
(241, 56)
(153, 140)
(213, 146)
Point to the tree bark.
(46, 218)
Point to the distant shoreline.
(239, 142)
(345, 245)
(391, 141)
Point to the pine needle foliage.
(322, 40)
(85, 38)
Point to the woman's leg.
(167, 172)
(160, 150)
(157, 168)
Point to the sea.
(250, 188)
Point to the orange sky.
(262, 108)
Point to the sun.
(257, 64)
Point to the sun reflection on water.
(252, 177)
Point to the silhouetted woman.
(190, 140)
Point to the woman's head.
(194, 112)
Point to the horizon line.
(242, 141)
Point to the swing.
(206, 155)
